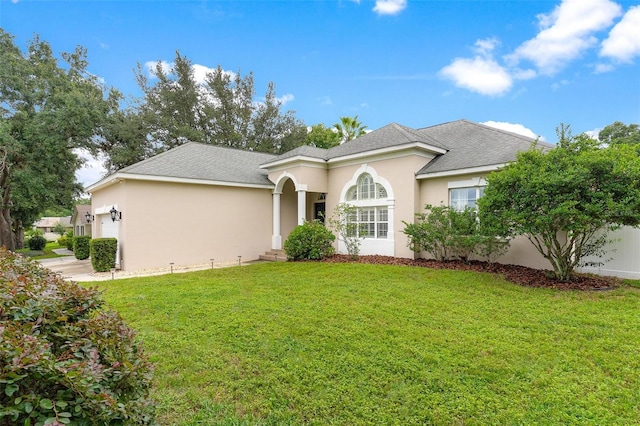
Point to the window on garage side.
(461, 198)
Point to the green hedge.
(103, 253)
(81, 246)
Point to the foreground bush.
(309, 241)
(63, 359)
(103, 253)
(81, 246)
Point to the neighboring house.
(46, 225)
(81, 219)
(199, 202)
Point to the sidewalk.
(82, 271)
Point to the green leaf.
(46, 404)
(10, 389)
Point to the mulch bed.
(521, 275)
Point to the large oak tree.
(47, 108)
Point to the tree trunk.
(18, 235)
(6, 234)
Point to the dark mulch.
(521, 275)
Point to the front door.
(319, 211)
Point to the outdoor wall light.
(115, 214)
(89, 217)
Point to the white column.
(302, 206)
(276, 238)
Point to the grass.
(314, 343)
(47, 253)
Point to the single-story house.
(81, 219)
(47, 224)
(199, 202)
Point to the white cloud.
(593, 134)
(389, 7)
(151, 66)
(485, 47)
(91, 171)
(284, 99)
(603, 68)
(480, 75)
(513, 128)
(566, 33)
(199, 71)
(623, 43)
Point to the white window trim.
(372, 245)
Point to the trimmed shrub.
(309, 241)
(69, 240)
(103, 253)
(37, 242)
(65, 360)
(448, 234)
(81, 246)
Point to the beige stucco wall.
(399, 173)
(312, 175)
(187, 223)
(436, 191)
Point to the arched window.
(370, 198)
(366, 189)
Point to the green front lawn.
(315, 343)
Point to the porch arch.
(301, 190)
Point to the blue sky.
(527, 65)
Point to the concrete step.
(274, 256)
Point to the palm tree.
(350, 128)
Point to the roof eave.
(391, 149)
(119, 177)
(295, 159)
(465, 171)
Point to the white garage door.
(109, 229)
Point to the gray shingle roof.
(385, 137)
(388, 136)
(468, 145)
(205, 162)
(474, 145)
(304, 151)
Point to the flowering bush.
(63, 359)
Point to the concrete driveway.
(70, 267)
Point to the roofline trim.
(390, 149)
(294, 159)
(457, 172)
(119, 177)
